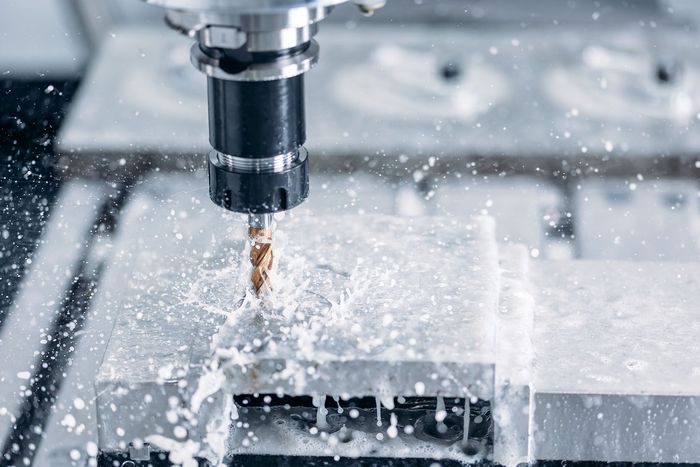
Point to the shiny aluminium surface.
(616, 375)
(341, 262)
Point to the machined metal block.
(353, 315)
(514, 350)
(615, 370)
(656, 220)
(526, 211)
(348, 194)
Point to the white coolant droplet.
(440, 404)
(234, 411)
(182, 453)
(388, 402)
(379, 410)
(91, 449)
(465, 436)
(440, 412)
(68, 421)
(393, 431)
(209, 384)
(337, 401)
(420, 388)
(321, 411)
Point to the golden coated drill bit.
(261, 258)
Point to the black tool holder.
(257, 130)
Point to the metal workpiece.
(630, 219)
(354, 360)
(514, 357)
(616, 374)
(389, 336)
(539, 341)
(359, 323)
(527, 213)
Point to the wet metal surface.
(616, 374)
(360, 324)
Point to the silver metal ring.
(272, 164)
(279, 39)
(260, 221)
(279, 69)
